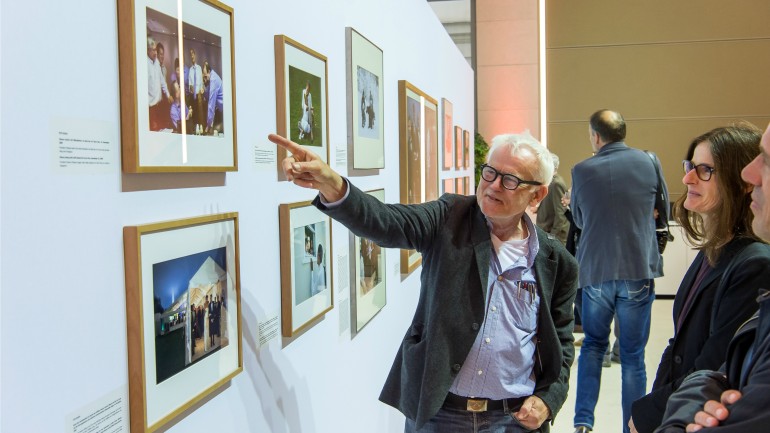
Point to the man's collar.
(613, 145)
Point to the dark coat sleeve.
(694, 392)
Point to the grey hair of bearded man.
(525, 140)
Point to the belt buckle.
(476, 405)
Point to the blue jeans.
(449, 420)
(632, 300)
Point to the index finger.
(287, 144)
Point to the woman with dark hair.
(719, 289)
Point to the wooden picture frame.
(301, 98)
(459, 159)
(172, 127)
(413, 157)
(306, 284)
(368, 279)
(183, 314)
(365, 105)
(447, 157)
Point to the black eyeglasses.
(510, 181)
(703, 171)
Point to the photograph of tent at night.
(190, 298)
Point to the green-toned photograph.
(304, 103)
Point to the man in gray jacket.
(491, 339)
(613, 201)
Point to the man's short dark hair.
(609, 125)
(159, 46)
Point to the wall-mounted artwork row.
(306, 272)
(301, 102)
(177, 86)
(183, 310)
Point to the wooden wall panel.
(660, 81)
(600, 22)
(674, 69)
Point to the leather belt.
(454, 401)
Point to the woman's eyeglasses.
(703, 171)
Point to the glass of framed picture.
(368, 277)
(306, 272)
(415, 169)
(448, 154)
(177, 86)
(301, 101)
(431, 148)
(459, 159)
(366, 99)
(449, 186)
(466, 149)
(183, 309)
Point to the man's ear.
(539, 195)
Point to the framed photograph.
(431, 151)
(306, 272)
(177, 86)
(301, 102)
(415, 164)
(449, 186)
(449, 150)
(366, 96)
(467, 148)
(183, 312)
(459, 159)
(367, 286)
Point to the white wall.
(63, 296)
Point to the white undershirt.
(508, 252)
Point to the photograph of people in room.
(197, 106)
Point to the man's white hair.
(514, 142)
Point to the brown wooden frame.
(136, 320)
(287, 288)
(409, 260)
(131, 136)
(282, 98)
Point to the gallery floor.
(608, 410)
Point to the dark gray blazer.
(613, 197)
(453, 237)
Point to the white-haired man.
(491, 340)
